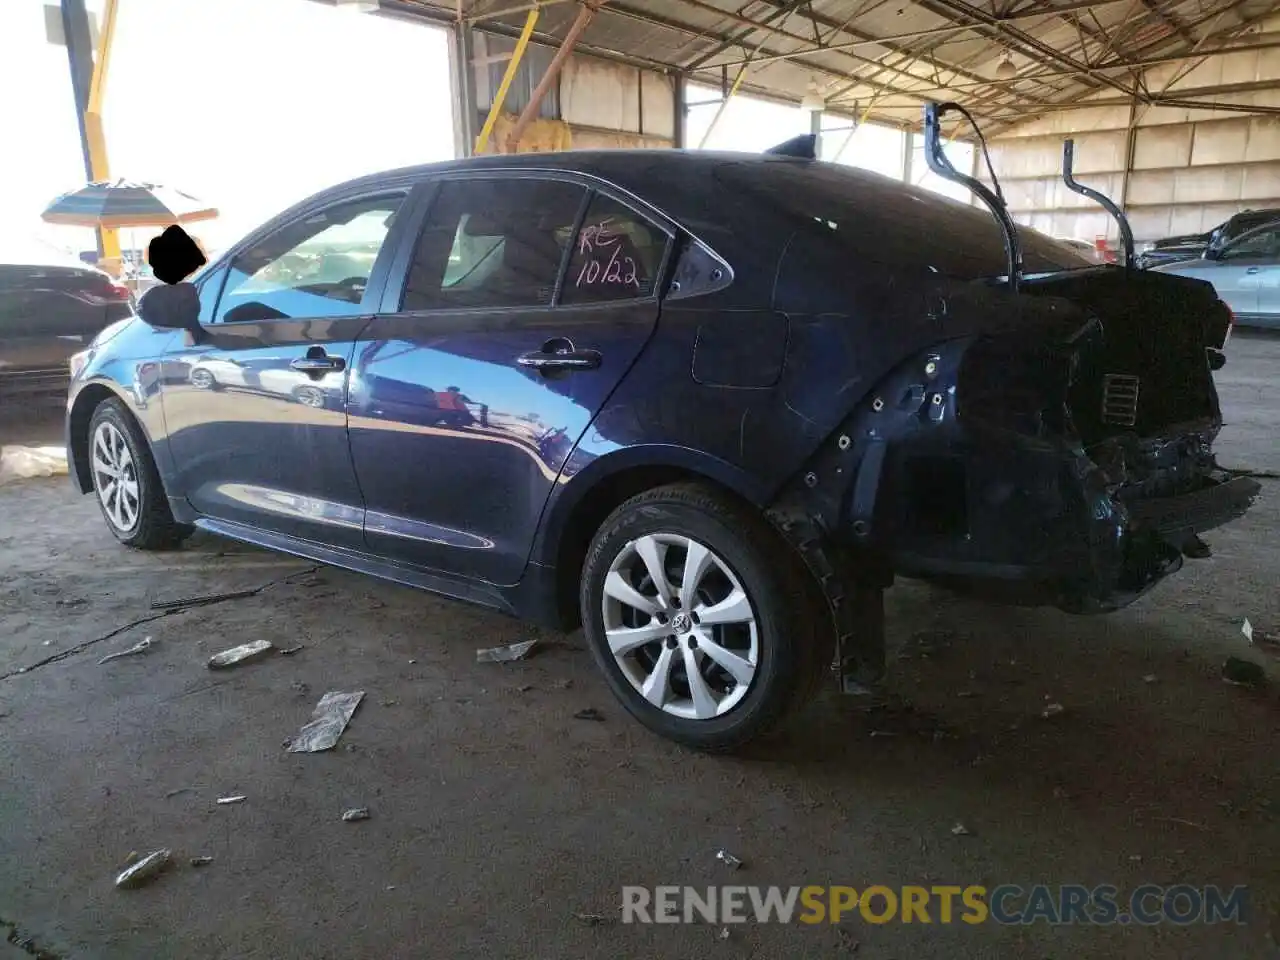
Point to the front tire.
(702, 618)
(127, 484)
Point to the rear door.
(257, 419)
(522, 303)
(1247, 272)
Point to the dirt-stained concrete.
(498, 818)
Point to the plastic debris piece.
(590, 713)
(145, 870)
(327, 723)
(960, 830)
(728, 859)
(290, 651)
(593, 919)
(884, 733)
(1149, 678)
(1242, 673)
(245, 653)
(513, 651)
(724, 933)
(355, 813)
(201, 861)
(225, 801)
(1053, 710)
(142, 646)
(1247, 629)
(25, 463)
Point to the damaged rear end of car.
(1040, 436)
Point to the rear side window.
(492, 243)
(616, 255)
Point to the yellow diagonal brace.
(513, 64)
(94, 135)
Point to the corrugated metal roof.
(889, 57)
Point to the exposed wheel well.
(87, 401)
(600, 501)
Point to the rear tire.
(735, 605)
(127, 484)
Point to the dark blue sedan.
(706, 405)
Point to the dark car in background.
(1194, 245)
(708, 406)
(51, 306)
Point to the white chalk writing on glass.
(596, 242)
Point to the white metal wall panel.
(597, 93)
(657, 99)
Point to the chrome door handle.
(317, 364)
(573, 360)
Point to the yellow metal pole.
(513, 64)
(94, 133)
(737, 82)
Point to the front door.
(257, 424)
(524, 303)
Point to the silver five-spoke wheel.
(680, 626)
(115, 477)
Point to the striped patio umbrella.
(124, 203)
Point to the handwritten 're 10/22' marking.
(595, 241)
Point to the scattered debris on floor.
(1053, 710)
(728, 859)
(201, 861)
(174, 793)
(327, 723)
(593, 919)
(355, 813)
(206, 600)
(884, 733)
(26, 463)
(145, 870)
(847, 941)
(562, 684)
(238, 798)
(512, 651)
(1242, 673)
(960, 830)
(590, 713)
(245, 653)
(1149, 678)
(290, 651)
(142, 646)
(724, 933)
(1259, 639)
(1247, 629)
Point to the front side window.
(315, 267)
(1254, 246)
(492, 243)
(616, 255)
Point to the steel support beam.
(75, 30)
(570, 41)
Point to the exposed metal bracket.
(994, 200)
(1126, 234)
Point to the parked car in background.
(1191, 246)
(852, 379)
(51, 307)
(1245, 272)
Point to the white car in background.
(1245, 272)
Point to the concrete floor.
(498, 818)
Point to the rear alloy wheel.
(127, 484)
(701, 617)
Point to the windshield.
(891, 223)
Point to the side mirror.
(174, 306)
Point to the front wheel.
(702, 618)
(127, 484)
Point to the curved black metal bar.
(994, 200)
(1126, 234)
